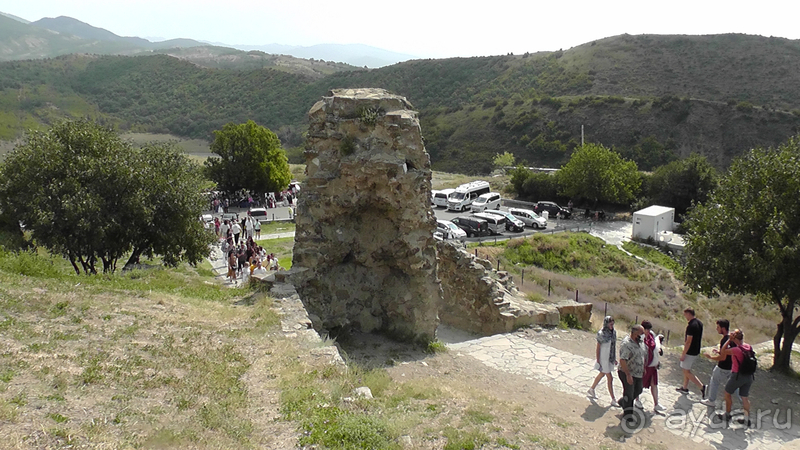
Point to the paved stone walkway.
(573, 374)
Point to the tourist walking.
(691, 350)
(606, 357)
(652, 345)
(237, 231)
(743, 368)
(257, 227)
(631, 370)
(722, 371)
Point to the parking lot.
(553, 225)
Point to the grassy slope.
(631, 288)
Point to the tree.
(168, 225)
(679, 184)
(250, 158)
(88, 195)
(599, 174)
(501, 161)
(745, 239)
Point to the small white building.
(653, 222)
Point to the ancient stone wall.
(364, 254)
(479, 299)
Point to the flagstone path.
(573, 374)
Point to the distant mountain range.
(49, 37)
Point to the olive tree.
(88, 195)
(745, 239)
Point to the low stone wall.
(581, 311)
(479, 299)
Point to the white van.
(486, 201)
(440, 198)
(465, 194)
(497, 223)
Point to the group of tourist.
(248, 259)
(220, 202)
(244, 257)
(639, 361)
(235, 230)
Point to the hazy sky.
(423, 28)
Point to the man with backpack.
(744, 364)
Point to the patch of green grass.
(654, 256)
(577, 254)
(436, 346)
(464, 440)
(478, 415)
(58, 418)
(275, 228)
(503, 442)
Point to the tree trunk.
(787, 331)
(134, 259)
(74, 266)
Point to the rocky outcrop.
(364, 254)
(479, 299)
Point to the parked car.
(512, 223)
(486, 201)
(259, 214)
(450, 230)
(552, 209)
(497, 224)
(530, 218)
(440, 198)
(230, 216)
(433, 196)
(473, 226)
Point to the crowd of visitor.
(638, 364)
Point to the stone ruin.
(365, 258)
(364, 254)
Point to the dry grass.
(636, 290)
(444, 180)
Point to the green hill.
(654, 98)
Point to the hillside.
(654, 98)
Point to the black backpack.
(749, 362)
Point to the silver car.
(530, 218)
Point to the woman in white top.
(606, 357)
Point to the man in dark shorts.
(722, 371)
(691, 350)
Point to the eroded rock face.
(364, 254)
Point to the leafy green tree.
(679, 184)
(86, 194)
(250, 158)
(518, 176)
(168, 224)
(501, 161)
(745, 239)
(599, 174)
